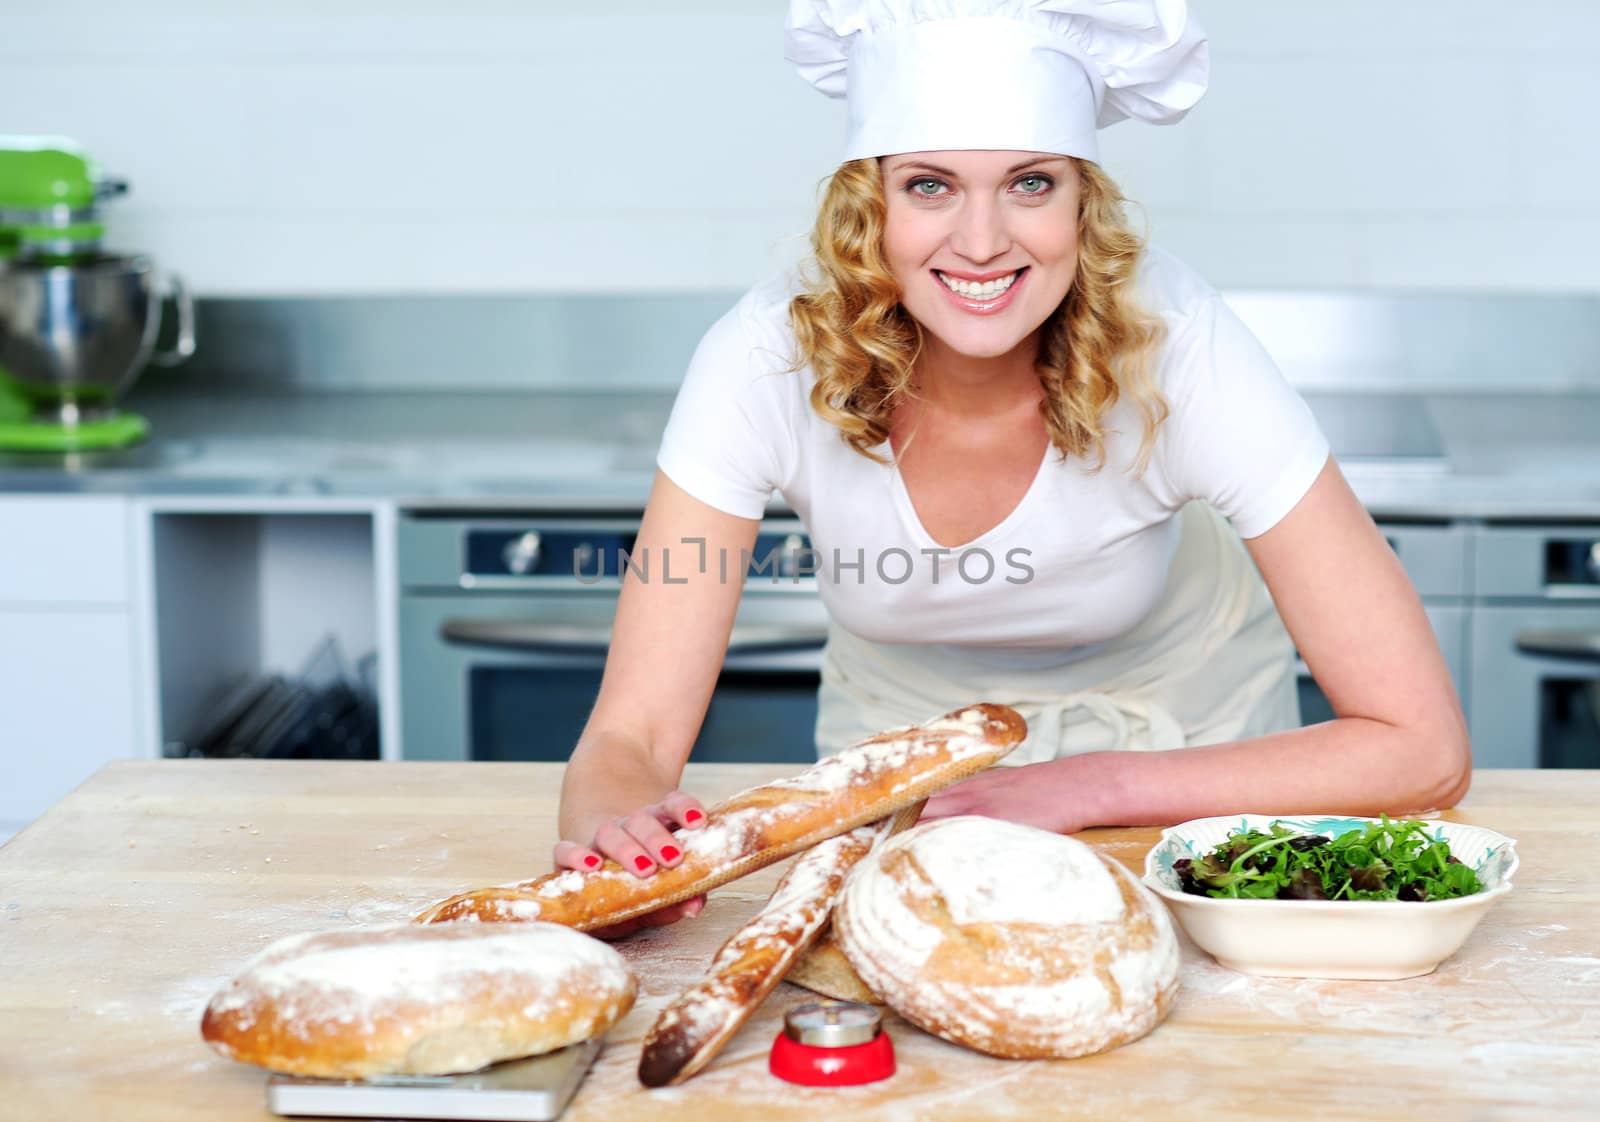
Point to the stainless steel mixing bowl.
(74, 337)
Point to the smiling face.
(984, 244)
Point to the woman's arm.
(1398, 744)
(619, 795)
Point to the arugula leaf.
(1384, 860)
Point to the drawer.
(1559, 562)
(64, 550)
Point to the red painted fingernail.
(692, 816)
(642, 863)
(670, 853)
(592, 861)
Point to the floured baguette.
(693, 1028)
(865, 782)
(824, 969)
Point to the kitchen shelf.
(242, 596)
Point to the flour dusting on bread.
(417, 1000)
(691, 1030)
(1011, 940)
(864, 783)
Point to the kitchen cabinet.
(241, 596)
(67, 684)
(68, 652)
(123, 620)
(65, 551)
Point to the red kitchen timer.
(832, 1044)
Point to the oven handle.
(1581, 646)
(570, 639)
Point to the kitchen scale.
(532, 1090)
(77, 324)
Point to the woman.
(1038, 463)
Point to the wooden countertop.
(129, 903)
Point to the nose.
(980, 232)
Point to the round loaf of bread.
(414, 1000)
(1011, 940)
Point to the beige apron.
(1210, 663)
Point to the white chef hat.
(1014, 75)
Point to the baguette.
(865, 782)
(692, 1029)
(689, 1032)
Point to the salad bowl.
(1319, 938)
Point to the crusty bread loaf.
(1014, 941)
(824, 969)
(861, 784)
(690, 1031)
(403, 999)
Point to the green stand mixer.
(77, 324)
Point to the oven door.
(1537, 696)
(514, 678)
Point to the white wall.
(343, 146)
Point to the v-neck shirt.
(1081, 558)
(908, 506)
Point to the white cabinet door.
(66, 704)
(71, 550)
(67, 667)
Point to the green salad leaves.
(1383, 861)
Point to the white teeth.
(974, 291)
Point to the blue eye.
(916, 186)
(1043, 181)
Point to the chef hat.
(1014, 75)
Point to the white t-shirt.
(1080, 560)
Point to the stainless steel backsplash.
(1322, 340)
(490, 343)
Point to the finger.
(571, 855)
(647, 830)
(622, 847)
(683, 810)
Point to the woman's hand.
(1039, 795)
(640, 842)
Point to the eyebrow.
(946, 171)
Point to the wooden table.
(130, 902)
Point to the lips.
(984, 305)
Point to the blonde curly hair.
(851, 328)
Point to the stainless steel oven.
(1536, 646)
(505, 621)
